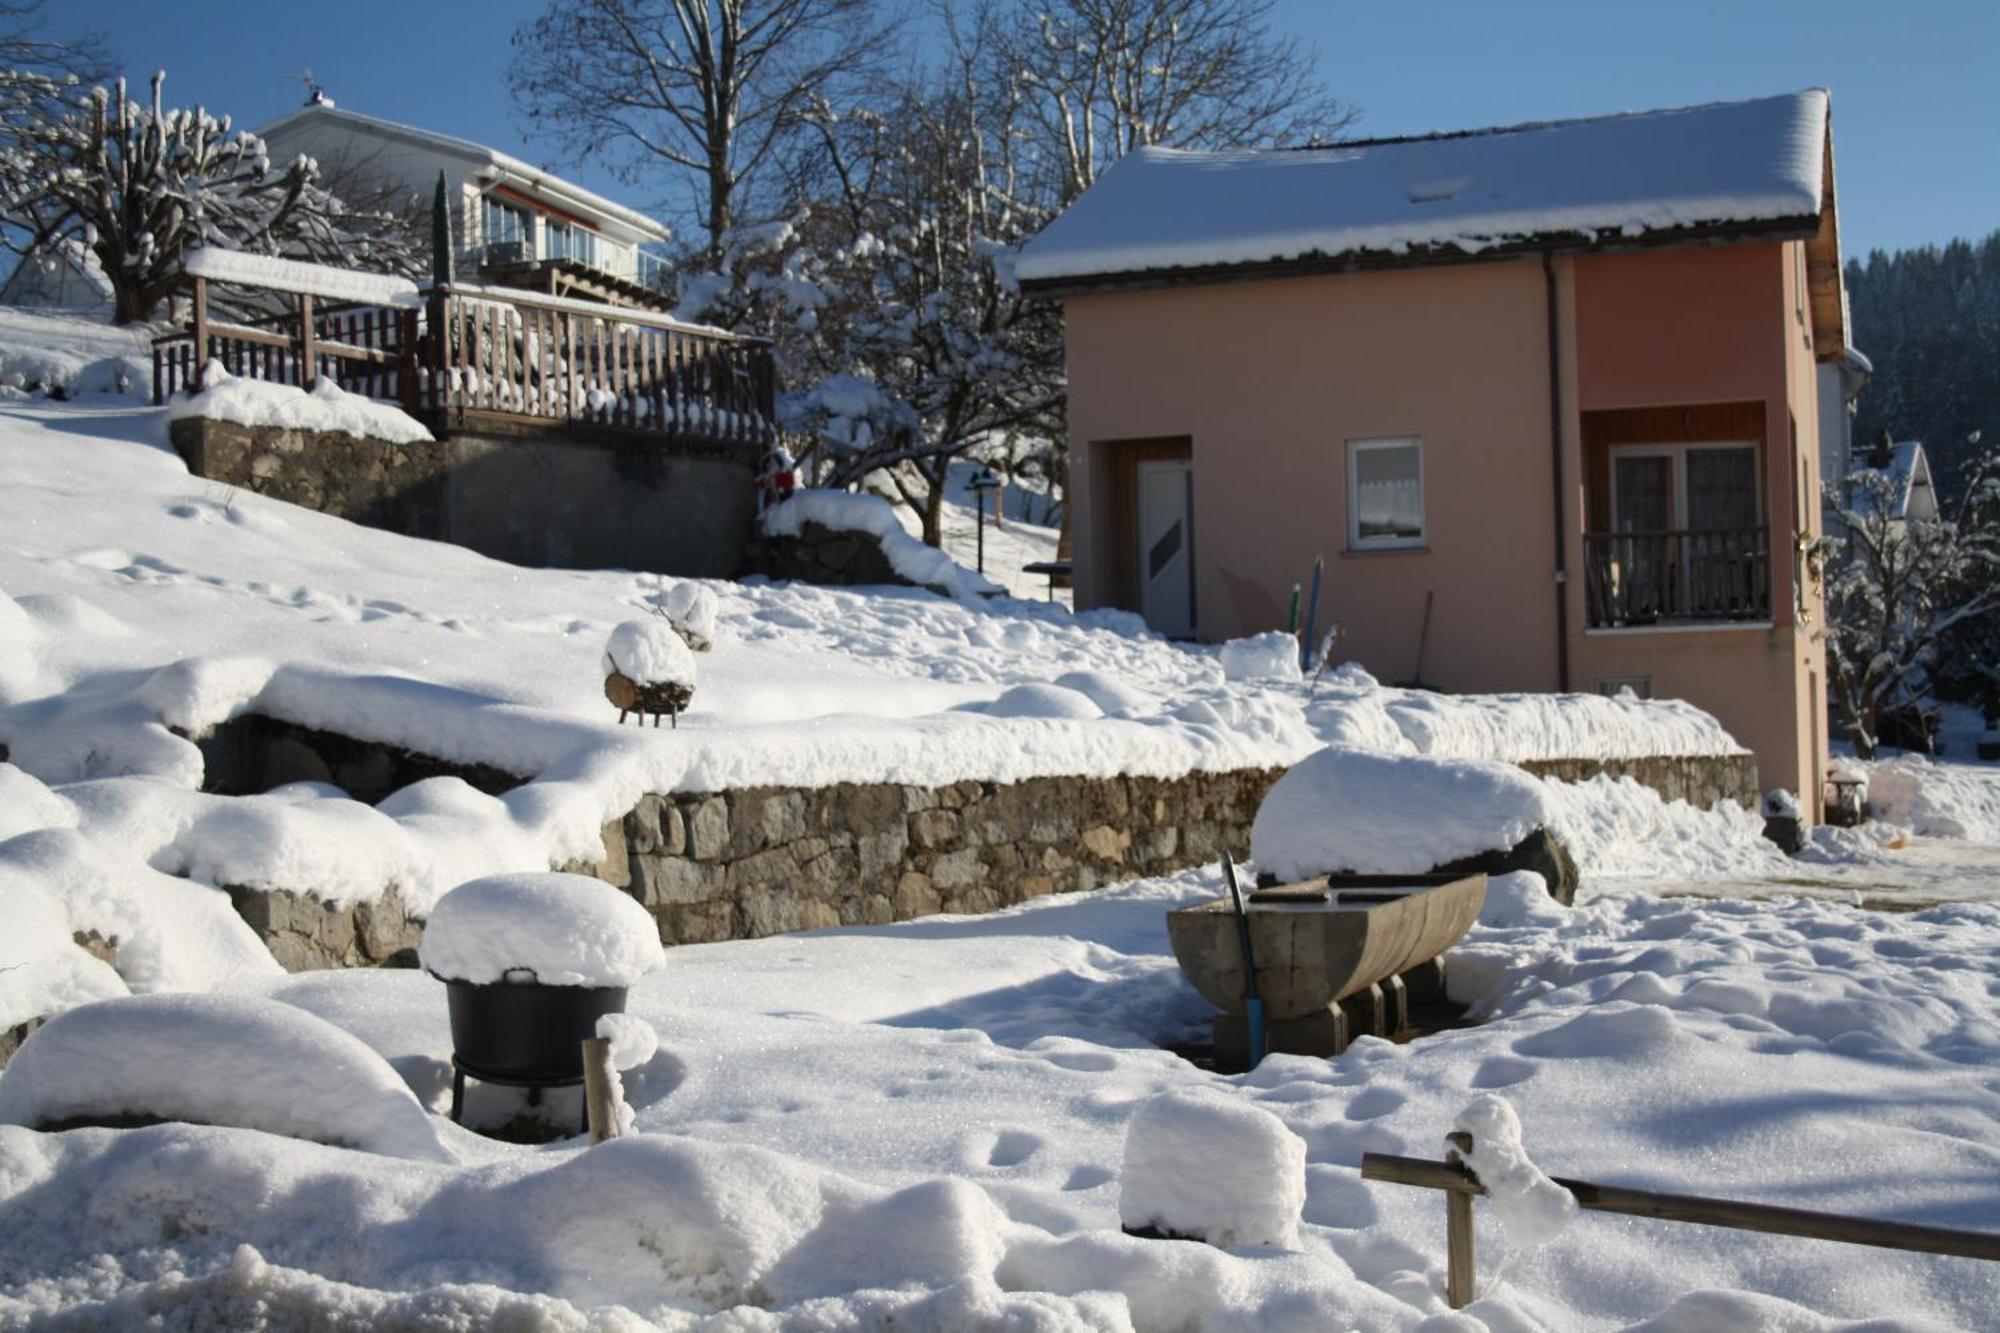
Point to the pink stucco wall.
(1714, 325)
(1270, 380)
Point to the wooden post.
(308, 353)
(200, 335)
(1460, 1263)
(599, 1103)
(408, 375)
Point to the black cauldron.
(523, 1032)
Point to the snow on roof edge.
(1445, 196)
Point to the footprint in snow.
(1370, 1103)
(1012, 1147)
(1502, 1071)
(1089, 1178)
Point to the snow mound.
(26, 805)
(569, 930)
(1519, 899)
(1273, 655)
(1044, 701)
(1532, 1208)
(172, 934)
(650, 652)
(1207, 1167)
(327, 408)
(1937, 800)
(693, 610)
(925, 566)
(217, 1060)
(1615, 826)
(1108, 692)
(1513, 727)
(42, 971)
(633, 1040)
(1369, 813)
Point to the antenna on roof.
(315, 95)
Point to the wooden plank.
(1704, 1211)
(308, 355)
(1460, 1260)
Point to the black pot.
(524, 1032)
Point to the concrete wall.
(569, 500)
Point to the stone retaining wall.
(829, 557)
(743, 864)
(1703, 781)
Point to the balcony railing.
(1678, 577)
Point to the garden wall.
(741, 864)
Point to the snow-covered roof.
(503, 167)
(1756, 164)
(1910, 493)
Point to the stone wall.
(562, 496)
(829, 557)
(1703, 781)
(743, 864)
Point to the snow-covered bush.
(1205, 1167)
(216, 1060)
(1370, 813)
(568, 930)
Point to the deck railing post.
(200, 335)
(308, 353)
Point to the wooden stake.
(1460, 1263)
(600, 1105)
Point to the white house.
(511, 222)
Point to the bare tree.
(924, 349)
(27, 46)
(142, 184)
(712, 91)
(1901, 591)
(1102, 77)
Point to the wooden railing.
(546, 358)
(497, 352)
(1461, 1186)
(1651, 578)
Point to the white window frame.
(1355, 541)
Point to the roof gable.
(1757, 167)
(502, 166)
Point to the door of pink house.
(1166, 546)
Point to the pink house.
(1544, 398)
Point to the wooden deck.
(501, 358)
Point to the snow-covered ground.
(917, 1126)
(923, 1126)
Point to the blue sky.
(1916, 86)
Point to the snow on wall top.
(292, 275)
(1726, 162)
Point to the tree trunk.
(130, 305)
